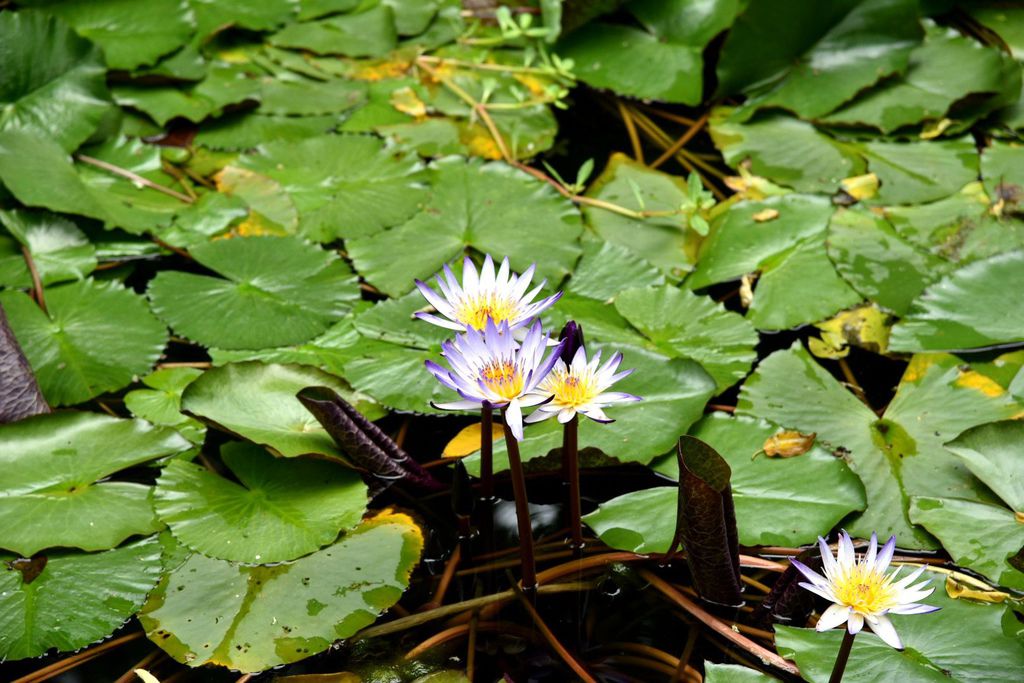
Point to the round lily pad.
(274, 291)
(280, 510)
(252, 618)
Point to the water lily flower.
(483, 296)
(861, 591)
(491, 368)
(580, 387)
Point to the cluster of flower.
(493, 364)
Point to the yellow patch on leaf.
(788, 444)
(971, 379)
(479, 141)
(537, 86)
(960, 586)
(377, 69)
(408, 102)
(921, 362)
(765, 215)
(860, 187)
(467, 441)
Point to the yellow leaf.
(959, 586)
(787, 444)
(537, 86)
(467, 441)
(935, 129)
(408, 102)
(866, 327)
(765, 215)
(479, 141)
(1019, 516)
(145, 676)
(747, 289)
(395, 66)
(860, 186)
(749, 186)
(921, 362)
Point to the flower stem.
(571, 465)
(844, 654)
(486, 452)
(515, 464)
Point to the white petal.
(887, 632)
(832, 617)
(845, 555)
(458, 405)
(914, 608)
(470, 281)
(869, 559)
(537, 416)
(823, 591)
(440, 322)
(514, 419)
(566, 414)
(855, 624)
(828, 562)
(885, 556)
(487, 274)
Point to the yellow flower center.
(476, 311)
(571, 390)
(867, 592)
(503, 378)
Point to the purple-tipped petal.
(885, 555)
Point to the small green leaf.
(161, 402)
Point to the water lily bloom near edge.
(483, 296)
(861, 591)
(579, 387)
(491, 367)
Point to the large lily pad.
(131, 34)
(279, 510)
(779, 501)
(275, 291)
(663, 240)
(223, 85)
(492, 208)
(94, 338)
(343, 185)
(56, 469)
(896, 456)
(105, 589)
(60, 251)
(963, 641)
(53, 81)
(679, 323)
(253, 618)
(957, 311)
(370, 33)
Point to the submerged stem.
(515, 464)
(844, 654)
(571, 464)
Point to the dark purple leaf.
(19, 393)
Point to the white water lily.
(488, 295)
(861, 592)
(492, 368)
(580, 387)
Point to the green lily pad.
(979, 536)
(39, 173)
(606, 268)
(1001, 172)
(250, 618)
(963, 641)
(957, 311)
(797, 284)
(161, 402)
(944, 72)
(992, 453)
(786, 150)
(132, 34)
(280, 510)
(53, 82)
(257, 402)
(664, 241)
(896, 456)
(94, 338)
(292, 95)
(275, 291)
(223, 85)
(804, 51)
(370, 33)
(59, 249)
(247, 131)
(680, 323)
(492, 208)
(674, 392)
(56, 468)
(733, 673)
(779, 501)
(916, 172)
(212, 15)
(343, 185)
(105, 589)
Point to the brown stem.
(446, 579)
(134, 177)
(571, 459)
(515, 464)
(68, 663)
(486, 452)
(634, 139)
(678, 144)
(553, 641)
(844, 654)
(37, 283)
